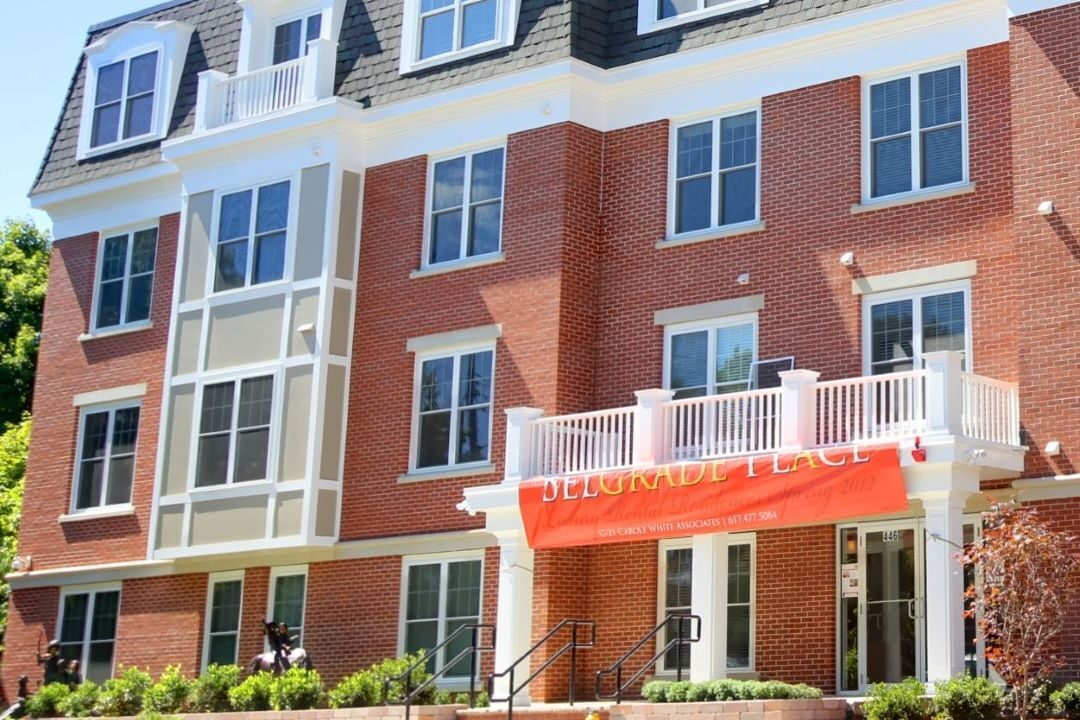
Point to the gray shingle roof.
(600, 32)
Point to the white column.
(944, 600)
(944, 400)
(320, 69)
(518, 458)
(649, 426)
(207, 113)
(513, 618)
(798, 425)
(708, 600)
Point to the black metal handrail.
(475, 647)
(571, 646)
(683, 622)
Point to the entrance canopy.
(727, 495)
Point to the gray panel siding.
(311, 224)
(196, 258)
(245, 332)
(333, 420)
(348, 230)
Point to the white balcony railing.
(224, 100)
(803, 413)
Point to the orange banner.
(728, 495)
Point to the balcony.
(223, 100)
(957, 416)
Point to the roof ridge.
(136, 15)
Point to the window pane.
(943, 322)
(73, 625)
(474, 434)
(269, 258)
(436, 384)
(448, 189)
(738, 140)
(463, 582)
(142, 74)
(114, 257)
(738, 574)
(121, 472)
(213, 467)
(106, 125)
(222, 650)
(314, 28)
(689, 358)
(427, 6)
(139, 290)
(217, 408)
(287, 42)
(139, 116)
(478, 23)
(91, 479)
(231, 266)
(678, 580)
(890, 108)
(110, 83)
(251, 449)
(273, 212)
(289, 600)
(939, 97)
(434, 446)
(106, 609)
(734, 354)
(422, 601)
(235, 216)
(891, 335)
(693, 204)
(694, 150)
(225, 610)
(671, 8)
(436, 34)
(446, 237)
(95, 434)
(99, 665)
(487, 175)
(891, 166)
(738, 636)
(422, 635)
(109, 300)
(256, 399)
(942, 156)
(125, 431)
(484, 226)
(458, 645)
(144, 249)
(475, 381)
(738, 196)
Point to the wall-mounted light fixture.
(847, 259)
(1053, 448)
(743, 278)
(1046, 207)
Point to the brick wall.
(67, 367)
(161, 623)
(1064, 516)
(31, 624)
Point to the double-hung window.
(106, 466)
(675, 583)
(715, 173)
(224, 600)
(740, 605)
(453, 423)
(660, 14)
(448, 26)
(234, 431)
(902, 326)
(710, 358)
(288, 588)
(88, 630)
(439, 597)
(126, 278)
(917, 128)
(252, 230)
(291, 38)
(466, 207)
(124, 100)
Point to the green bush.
(83, 700)
(296, 689)
(678, 691)
(46, 702)
(661, 691)
(170, 693)
(655, 691)
(252, 694)
(123, 695)
(903, 701)
(1067, 701)
(365, 687)
(445, 697)
(968, 698)
(210, 691)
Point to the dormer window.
(440, 31)
(291, 38)
(656, 15)
(124, 99)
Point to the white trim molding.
(649, 22)
(454, 338)
(505, 32)
(709, 311)
(914, 278)
(116, 394)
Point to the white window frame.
(714, 200)
(110, 408)
(649, 20)
(455, 352)
(275, 422)
(129, 231)
(90, 101)
(711, 326)
(506, 18)
(303, 15)
(751, 540)
(466, 204)
(913, 73)
(443, 560)
(271, 596)
(290, 236)
(92, 591)
(212, 580)
(915, 295)
(663, 547)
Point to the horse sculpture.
(282, 655)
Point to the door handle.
(911, 609)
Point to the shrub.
(46, 702)
(655, 691)
(903, 701)
(445, 697)
(170, 693)
(361, 689)
(1066, 701)
(721, 690)
(296, 689)
(210, 692)
(365, 688)
(252, 694)
(123, 695)
(968, 698)
(678, 691)
(660, 691)
(83, 700)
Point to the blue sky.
(39, 53)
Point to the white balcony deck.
(937, 402)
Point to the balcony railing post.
(649, 426)
(207, 100)
(944, 395)
(798, 421)
(319, 73)
(519, 451)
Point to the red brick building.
(338, 284)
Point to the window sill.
(118, 330)
(912, 197)
(445, 473)
(458, 265)
(711, 234)
(108, 511)
(91, 153)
